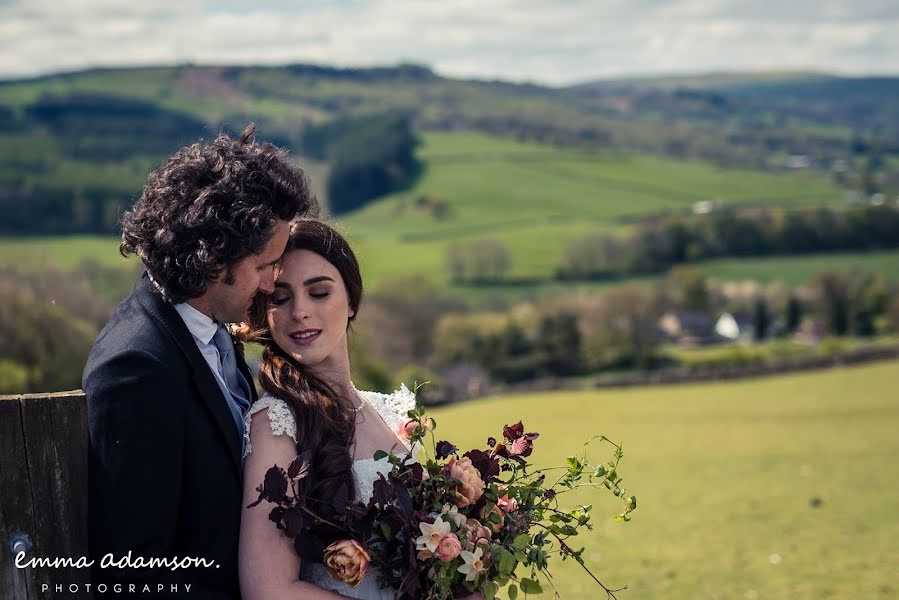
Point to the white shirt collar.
(200, 326)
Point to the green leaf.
(379, 455)
(529, 586)
(512, 591)
(386, 530)
(507, 564)
(521, 540)
(489, 589)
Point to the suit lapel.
(210, 392)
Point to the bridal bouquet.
(458, 523)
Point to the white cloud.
(523, 40)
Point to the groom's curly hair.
(209, 206)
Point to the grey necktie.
(236, 382)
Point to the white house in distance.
(736, 328)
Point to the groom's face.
(230, 295)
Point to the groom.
(166, 387)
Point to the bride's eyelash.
(279, 301)
(321, 295)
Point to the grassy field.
(728, 477)
(496, 184)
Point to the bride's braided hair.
(325, 426)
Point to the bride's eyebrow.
(317, 279)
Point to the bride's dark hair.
(325, 423)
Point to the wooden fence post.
(43, 493)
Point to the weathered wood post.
(43, 493)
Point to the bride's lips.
(305, 337)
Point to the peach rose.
(498, 512)
(475, 534)
(424, 554)
(470, 486)
(448, 548)
(347, 561)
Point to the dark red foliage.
(294, 520)
(382, 492)
(299, 468)
(274, 488)
(519, 442)
(487, 465)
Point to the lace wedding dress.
(392, 408)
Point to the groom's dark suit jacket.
(165, 476)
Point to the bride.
(311, 404)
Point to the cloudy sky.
(552, 42)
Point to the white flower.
(453, 515)
(431, 534)
(473, 563)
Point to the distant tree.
(793, 316)
(48, 322)
(892, 313)
(593, 256)
(480, 261)
(868, 299)
(690, 288)
(761, 319)
(456, 263)
(833, 296)
(559, 340)
(620, 328)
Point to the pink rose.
(506, 503)
(470, 486)
(347, 561)
(406, 429)
(448, 548)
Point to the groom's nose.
(267, 281)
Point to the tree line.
(657, 245)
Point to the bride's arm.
(268, 564)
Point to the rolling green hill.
(86, 139)
(535, 199)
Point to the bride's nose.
(300, 310)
